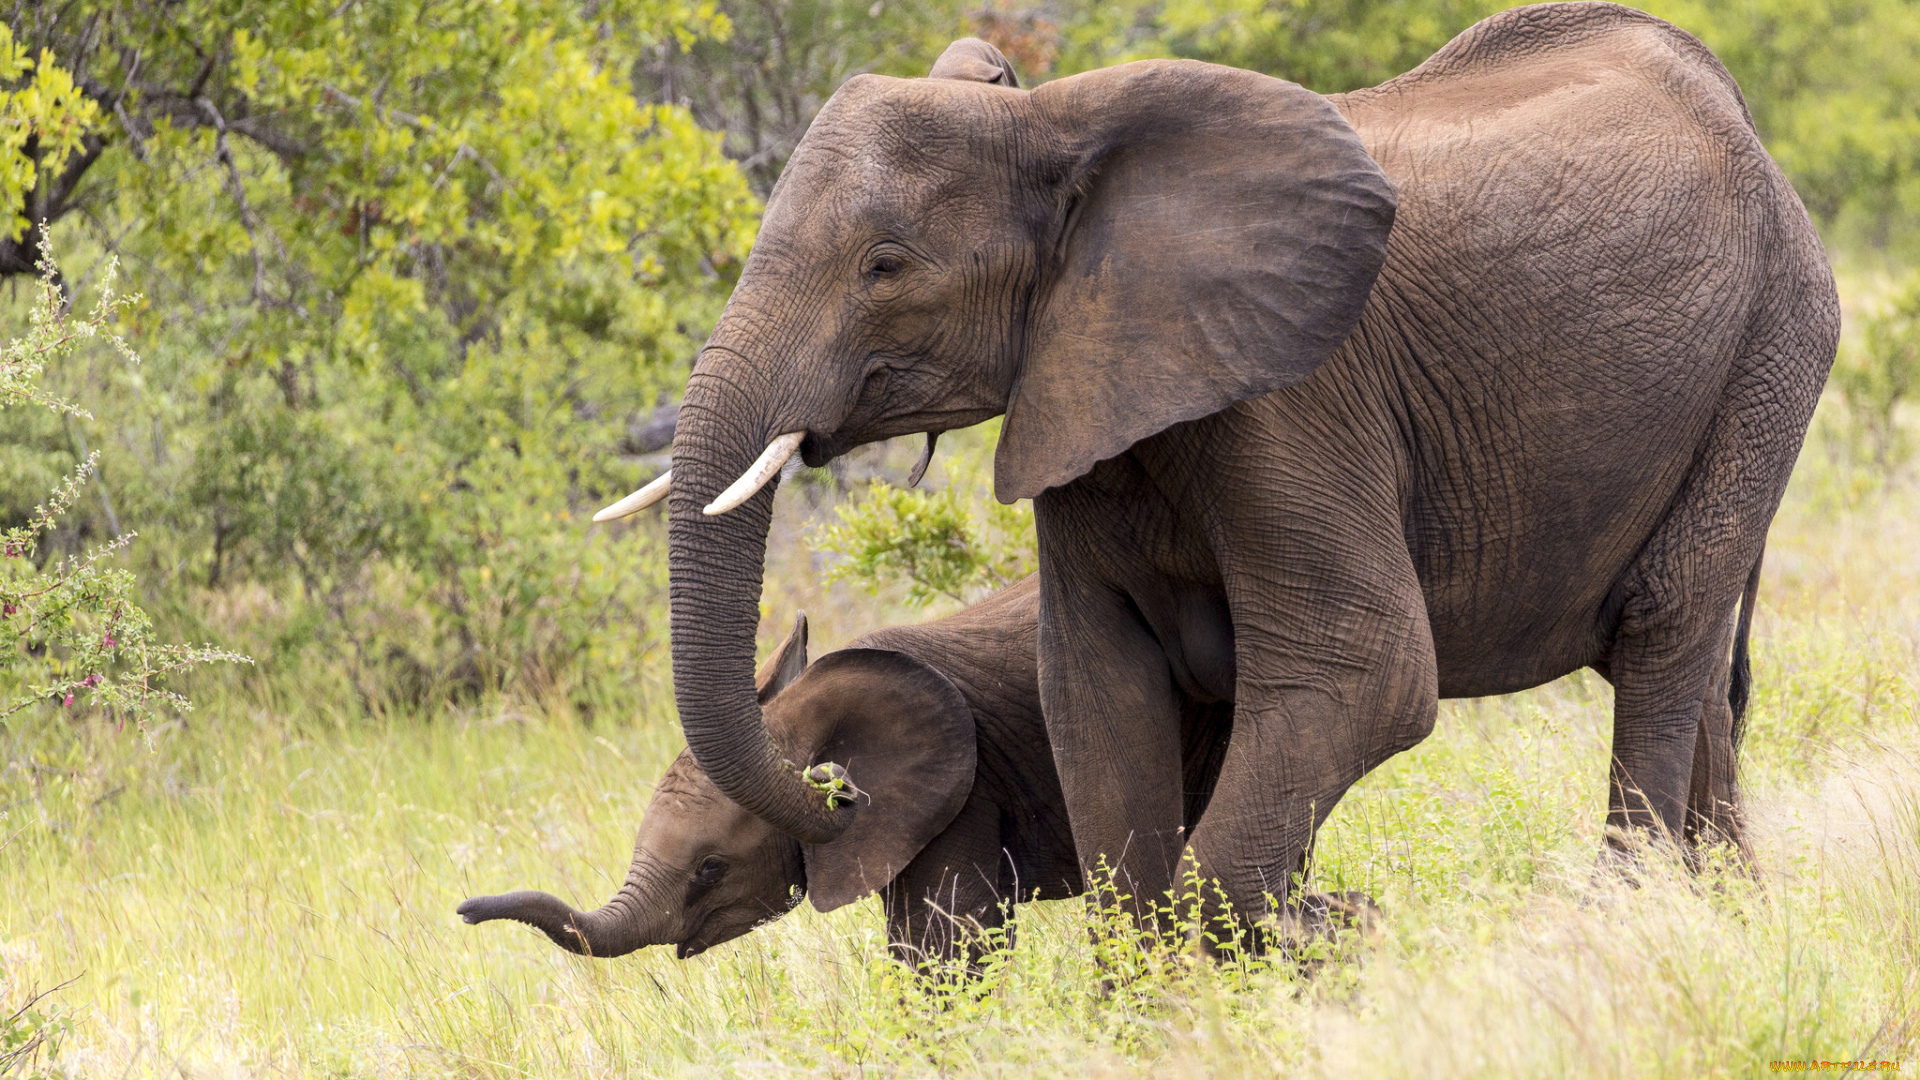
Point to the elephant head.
(1098, 259)
(705, 870)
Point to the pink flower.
(7, 609)
(107, 642)
(92, 680)
(69, 700)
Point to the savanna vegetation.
(411, 287)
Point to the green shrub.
(69, 627)
(1882, 372)
(956, 541)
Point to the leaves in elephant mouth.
(831, 779)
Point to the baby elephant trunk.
(614, 930)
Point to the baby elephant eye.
(884, 266)
(711, 869)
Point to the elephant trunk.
(715, 565)
(633, 919)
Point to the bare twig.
(134, 141)
(224, 154)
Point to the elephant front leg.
(951, 896)
(1336, 674)
(1114, 720)
(1291, 759)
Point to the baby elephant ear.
(786, 663)
(905, 737)
(975, 61)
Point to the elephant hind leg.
(1672, 640)
(1713, 799)
(1713, 796)
(1670, 657)
(1673, 742)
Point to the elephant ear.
(975, 61)
(1220, 232)
(905, 736)
(786, 663)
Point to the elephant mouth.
(816, 450)
(894, 400)
(694, 943)
(699, 940)
(705, 934)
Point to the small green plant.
(31, 1033)
(69, 627)
(955, 542)
(1883, 372)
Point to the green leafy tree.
(411, 269)
(48, 139)
(1327, 45)
(45, 131)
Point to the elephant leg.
(951, 894)
(1713, 796)
(1114, 720)
(1673, 752)
(1290, 760)
(1336, 674)
(1670, 654)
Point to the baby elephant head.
(706, 870)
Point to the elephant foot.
(1631, 860)
(1317, 927)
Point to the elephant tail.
(1740, 685)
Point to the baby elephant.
(939, 728)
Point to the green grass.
(264, 896)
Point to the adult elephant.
(1329, 406)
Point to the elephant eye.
(712, 869)
(884, 266)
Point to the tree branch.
(224, 154)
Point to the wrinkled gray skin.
(942, 723)
(1330, 407)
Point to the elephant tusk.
(639, 500)
(756, 476)
(926, 459)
